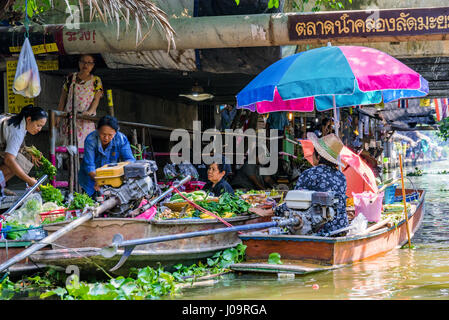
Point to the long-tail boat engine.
(129, 182)
(313, 209)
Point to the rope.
(201, 208)
(27, 21)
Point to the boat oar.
(129, 245)
(24, 197)
(90, 213)
(405, 202)
(376, 226)
(387, 185)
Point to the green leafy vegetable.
(80, 201)
(45, 166)
(33, 205)
(274, 258)
(14, 233)
(51, 194)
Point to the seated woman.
(13, 130)
(217, 185)
(324, 177)
(103, 146)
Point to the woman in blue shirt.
(103, 146)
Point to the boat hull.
(81, 247)
(333, 251)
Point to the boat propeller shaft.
(129, 245)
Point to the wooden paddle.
(387, 185)
(405, 202)
(377, 225)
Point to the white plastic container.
(299, 199)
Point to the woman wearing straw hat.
(324, 177)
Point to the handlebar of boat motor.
(160, 197)
(89, 214)
(129, 245)
(24, 197)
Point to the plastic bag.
(186, 168)
(170, 171)
(26, 81)
(359, 224)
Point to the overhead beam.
(385, 25)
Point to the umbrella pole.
(337, 121)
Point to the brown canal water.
(402, 274)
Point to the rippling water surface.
(421, 273)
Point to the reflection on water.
(421, 273)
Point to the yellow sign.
(38, 49)
(15, 101)
(47, 65)
(109, 95)
(424, 102)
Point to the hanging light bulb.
(290, 116)
(197, 94)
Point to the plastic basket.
(408, 197)
(369, 204)
(55, 214)
(389, 194)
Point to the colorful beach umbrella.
(331, 77)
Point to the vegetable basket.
(55, 214)
(177, 206)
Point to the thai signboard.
(369, 24)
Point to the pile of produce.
(227, 206)
(43, 165)
(395, 211)
(40, 209)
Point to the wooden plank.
(281, 268)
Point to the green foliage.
(299, 4)
(51, 194)
(35, 7)
(146, 283)
(443, 133)
(274, 258)
(80, 201)
(417, 173)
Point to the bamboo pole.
(405, 202)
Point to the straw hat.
(328, 147)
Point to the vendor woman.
(12, 134)
(217, 184)
(325, 177)
(103, 146)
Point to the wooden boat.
(310, 253)
(10, 248)
(81, 246)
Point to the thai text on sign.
(369, 23)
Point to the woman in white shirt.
(13, 129)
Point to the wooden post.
(405, 202)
